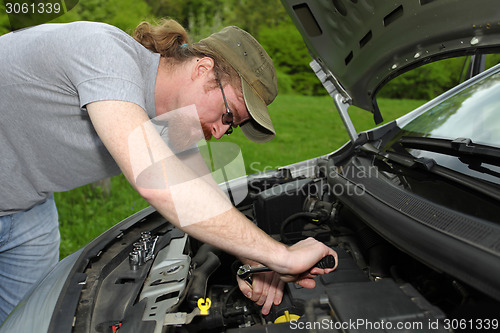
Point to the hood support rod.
(341, 99)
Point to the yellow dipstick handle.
(286, 317)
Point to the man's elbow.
(161, 199)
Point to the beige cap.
(258, 77)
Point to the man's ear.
(203, 66)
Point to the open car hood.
(362, 44)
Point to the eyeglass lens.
(227, 117)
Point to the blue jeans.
(29, 249)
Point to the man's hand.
(267, 288)
(300, 262)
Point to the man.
(72, 96)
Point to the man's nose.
(219, 129)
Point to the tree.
(124, 14)
(4, 20)
(254, 15)
(199, 17)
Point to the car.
(411, 207)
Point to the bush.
(425, 82)
(291, 58)
(285, 82)
(431, 80)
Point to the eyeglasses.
(227, 117)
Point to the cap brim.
(260, 127)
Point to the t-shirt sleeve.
(106, 68)
(108, 88)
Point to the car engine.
(155, 278)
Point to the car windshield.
(473, 113)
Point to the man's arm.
(229, 230)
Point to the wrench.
(246, 270)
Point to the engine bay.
(153, 276)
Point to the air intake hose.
(206, 263)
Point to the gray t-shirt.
(48, 74)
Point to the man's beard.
(207, 132)
(185, 130)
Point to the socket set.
(143, 250)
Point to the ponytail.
(165, 38)
(170, 40)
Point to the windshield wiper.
(430, 165)
(460, 147)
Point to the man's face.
(200, 88)
(212, 109)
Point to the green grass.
(307, 127)
(86, 212)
